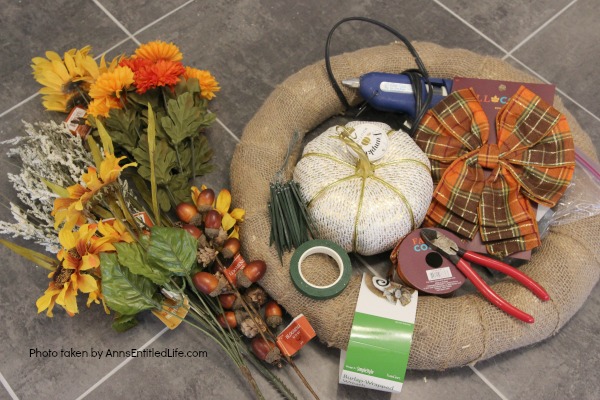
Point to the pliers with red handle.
(449, 249)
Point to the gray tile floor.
(251, 46)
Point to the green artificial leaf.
(124, 291)
(94, 149)
(172, 249)
(151, 156)
(202, 156)
(183, 119)
(121, 125)
(190, 85)
(133, 256)
(142, 100)
(180, 188)
(56, 189)
(165, 161)
(164, 202)
(123, 323)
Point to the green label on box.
(380, 340)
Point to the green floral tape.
(320, 246)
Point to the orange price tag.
(295, 335)
(237, 264)
(74, 124)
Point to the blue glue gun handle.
(393, 92)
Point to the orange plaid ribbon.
(533, 159)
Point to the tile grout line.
(557, 89)
(467, 23)
(11, 392)
(487, 382)
(122, 364)
(116, 21)
(516, 59)
(532, 34)
(19, 104)
(163, 17)
(111, 48)
(237, 139)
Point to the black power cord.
(415, 75)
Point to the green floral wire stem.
(290, 223)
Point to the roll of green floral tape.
(331, 249)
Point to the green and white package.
(380, 339)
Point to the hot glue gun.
(394, 92)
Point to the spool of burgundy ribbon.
(425, 269)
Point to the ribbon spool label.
(425, 269)
(326, 247)
(380, 340)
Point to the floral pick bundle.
(117, 243)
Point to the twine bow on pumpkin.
(533, 160)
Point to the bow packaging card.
(493, 95)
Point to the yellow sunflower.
(110, 84)
(79, 260)
(116, 230)
(64, 79)
(159, 50)
(71, 209)
(208, 84)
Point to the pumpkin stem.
(364, 167)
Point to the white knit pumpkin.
(364, 211)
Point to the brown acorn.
(273, 314)
(212, 223)
(192, 230)
(266, 350)
(230, 301)
(208, 283)
(253, 272)
(188, 213)
(205, 200)
(227, 320)
(231, 247)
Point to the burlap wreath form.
(448, 332)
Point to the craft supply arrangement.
(461, 193)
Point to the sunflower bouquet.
(118, 94)
(119, 246)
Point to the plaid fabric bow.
(533, 159)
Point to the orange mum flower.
(161, 73)
(101, 107)
(135, 63)
(159, 50)
(208, 83)
(111, 84)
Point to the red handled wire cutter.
(449, 249)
